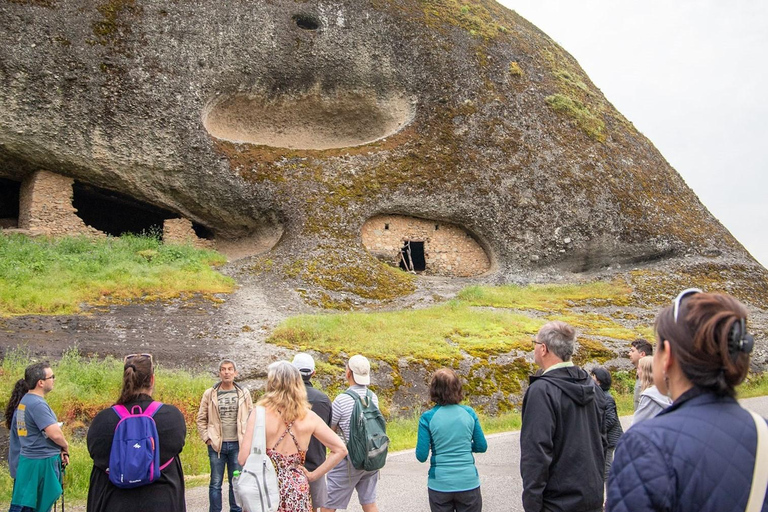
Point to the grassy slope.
(54, 276)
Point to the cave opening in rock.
(115, 213)
(306, 22)
(9, 203)
(412, 256)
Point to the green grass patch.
(54, 276)
(589, 122)
(753, 385)
(483, 321)
(439, 333)
(547, 298)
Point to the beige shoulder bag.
(760, 475)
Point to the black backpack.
(368, 442)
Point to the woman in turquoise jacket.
(452, 433)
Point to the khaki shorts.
(344, 478)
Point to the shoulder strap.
(358, 398)
(121, 411)
(760, 475)
(152, 408)
(259, 439)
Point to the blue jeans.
(227, 456)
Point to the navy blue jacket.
(698, 455)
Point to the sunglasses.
(679, 299)
(132, 356)
(51, 377)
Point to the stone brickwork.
(180, 231)
(45, 207)
(449, 250)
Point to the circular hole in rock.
(306, 22)
(308, 121)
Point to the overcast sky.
(692, 75)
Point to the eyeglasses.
(131, 356)
(683, 294)
(51, 377)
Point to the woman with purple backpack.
(165, 488)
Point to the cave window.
(202, 231)
(386, 227)
(306, 22)
(437, 227)
(116, 214)
(9, 203)
(412, 256)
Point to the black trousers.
(463, 501)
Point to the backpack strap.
(760, 474)
(259, 439)
(368, 397)
(121, 411)
(153, 407)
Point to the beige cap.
(361, 369)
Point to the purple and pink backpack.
(135, 456)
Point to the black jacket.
(562, 443)
(321, 405)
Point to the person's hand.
(208, 442)
(311, 475)
(64, 458)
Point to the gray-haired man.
(561, 439)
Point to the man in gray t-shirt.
(38, 441)
(221, 422)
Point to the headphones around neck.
(739, 340)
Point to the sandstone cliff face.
(313, 117)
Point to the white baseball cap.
(361, 369)
(304, 363)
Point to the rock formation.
(301, 121)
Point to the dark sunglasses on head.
(128, 358)
(680, 296)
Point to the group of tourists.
(691, 446)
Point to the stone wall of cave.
(448, 249)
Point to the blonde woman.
(290, 424)
(652, 402)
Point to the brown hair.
(445, 388)
(137, 376)
(642, 345)
(699, 341)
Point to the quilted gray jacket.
(696, 456)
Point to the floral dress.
(293, 483)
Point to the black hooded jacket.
(562, 443)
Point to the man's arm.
(202, 416)
(54, 433)
(536, 446)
